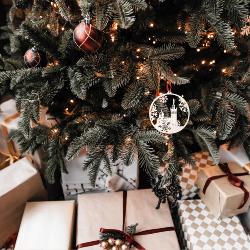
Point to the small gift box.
(20, 182)
(115, 212)
(46, 225)
(189, 173)
(224, 189)
(77, 181)
(204, 231)
(235, 154)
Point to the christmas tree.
(95, 66)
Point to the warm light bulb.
(123, 62)
(203, 62)
(198, 50)
(154, 42)
(225, 51)
(48, 26)
(151, 25)
(212, 62)
(179, 28)
(63, 28)
(138, 50)
(224, 70)
(137, 77)
(71, 101)
(149, 38)
(175, 75)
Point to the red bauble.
(87, 37)
(32, 58)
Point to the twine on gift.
(127, 237)
(232, 178)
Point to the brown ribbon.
(12, 154)
(126, 236)
(232, 178)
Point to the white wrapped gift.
(19, 183)
(46, 225)
(77, 181)
(202, 230)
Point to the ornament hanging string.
(169, 86)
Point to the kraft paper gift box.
(19, 183)
(46, 225)
(203, 231)
(76, 181)
(221, 192)
(234, 154)
(189, 173)
(110, 211)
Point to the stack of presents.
(213, 212)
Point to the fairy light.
(151, 25)
(175, 74)
(54, 131)
(137, 57)
(203, 62)
(71, 101)
(179, 27)
(128, 140)
(123, 62)
(137, 78)
(112, 38)
(147, 93)
(212, 62)
(115, 26)
(62, 28)
(55, 5)
(154, 42)
(138, 50)
(198, 50)
(224, 70)
(48, 26)
(149, 38)
(51, 3)
(41, 17)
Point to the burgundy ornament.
(87, 37)
(32, 58)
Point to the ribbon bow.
(233, 180)
(127, 237)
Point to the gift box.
(188, 175)
(20, 182)
(8, 121)
(202, 230)
(224, 189)
(245, 220)
(113, 212)
(46, 225)
(235, 154)
(77, 181)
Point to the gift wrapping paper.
(188, 175)
(77, 180)
(221, 197)
(46, 225)
(108, 213)
(235, 154)
(203, 231)
(19, 183)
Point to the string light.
(71, 101)
(151, 25)
(179, 27)
(175, 74)
(149, 38)
(63, 29)
(224, 70)
(198, 50)
(137, 77)
(48, 26)
(212, 62)
(112, 38)
(137, 57)
(147, 93)
(154, 42)
(123, 62)
(138, 50)
(203, 62)
(225, 51)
